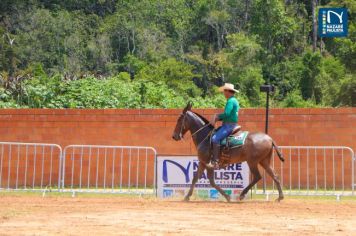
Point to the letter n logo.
(183, 169)
(339, 16)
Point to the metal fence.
(30, 166)
(114, 169)
(312, 170)
(308, 170)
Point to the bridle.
(182, 126)
(200, 129)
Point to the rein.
(206, 125)
(200, 129)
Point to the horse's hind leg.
(256, 177)
(266, 165)
(200, 171)
(213, 184)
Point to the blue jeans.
(223, 132)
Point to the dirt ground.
(99, 215)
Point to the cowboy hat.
(228, 86)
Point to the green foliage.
(245, 69)
(311, 69)
(273, 27)
(177, 75)
(330, 77)
(289, 74)
(347, 93)
(115, 92)
(294, 99)
(345, 48)
(157, 95)
(124, 76)
(156, 53)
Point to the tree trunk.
(133, 41)
(315, 26)
(247, 4)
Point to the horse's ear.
(190, 104)
(185, 109)
(188, 107)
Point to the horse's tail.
(277, 150)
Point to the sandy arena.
(114, 215)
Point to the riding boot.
(214, 163)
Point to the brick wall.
(153, 127)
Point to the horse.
(257, 149)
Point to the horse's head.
(182, 125)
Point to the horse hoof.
(241, 197)
(186, 199)
(279, 199)
(228, 198)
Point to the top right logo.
(333, 22)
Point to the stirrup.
(213, 164)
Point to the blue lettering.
(195, 166)
(230, 167)
(184, 170)
(238, 166)
(233, 175)
(226, 175)
(216, 175)
(238, 176)
(203, 176)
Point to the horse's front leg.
(196, 177)
(214, 185)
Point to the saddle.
(236, 130)
(235, 140)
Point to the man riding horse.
(257, 148)
(229, 118)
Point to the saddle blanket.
(235, 140)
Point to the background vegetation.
(160, 53)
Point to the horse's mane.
(202, 118)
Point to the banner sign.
(175, 174)
(333, 22)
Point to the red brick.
(348, 110)
(289, 126)
(121, 111)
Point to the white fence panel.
(308, 170)
(109, 169)
(30, 166)
(313, 170)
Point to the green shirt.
(230, 114)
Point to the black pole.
(267, 111)
(267, 88)
(266, 131)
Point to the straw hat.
(228, 86)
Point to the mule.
(257, 150)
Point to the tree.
(273, 28)
(217, 20)
(347, 92)
(180, 49)
(177, 75)
(309, 84)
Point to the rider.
(229, 118)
